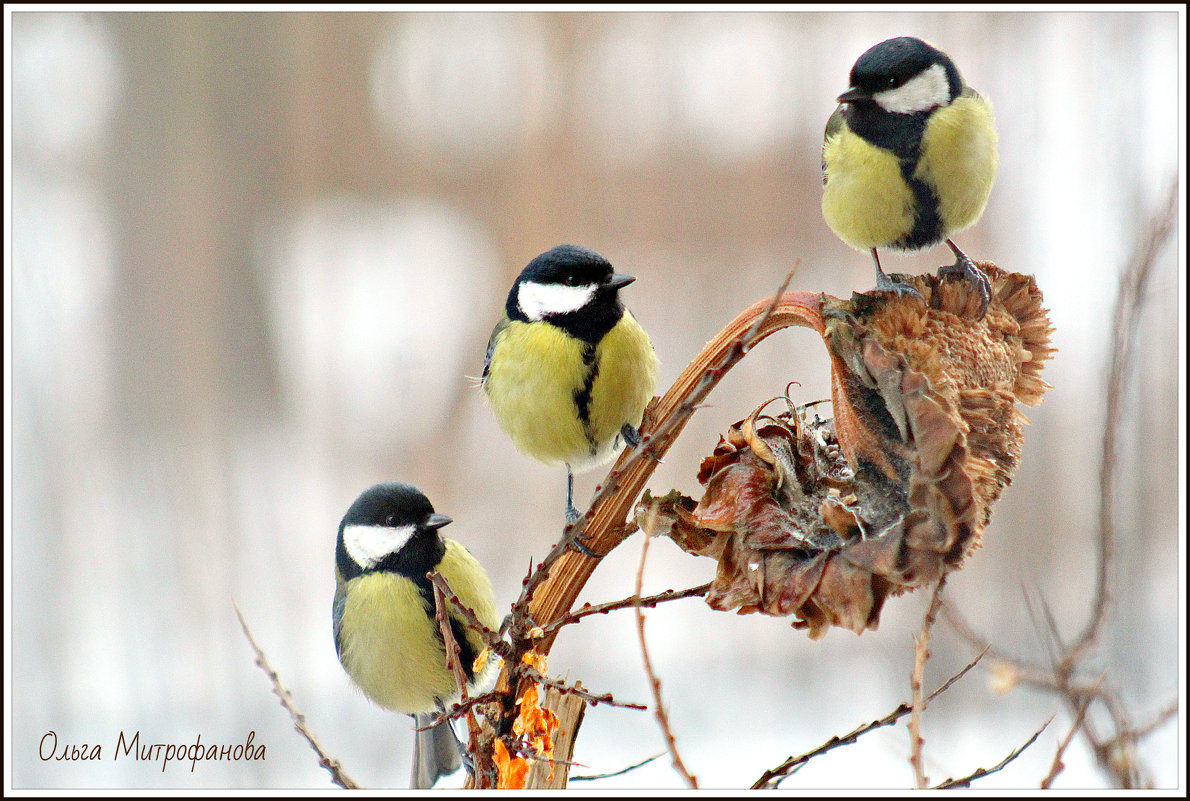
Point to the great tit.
(569, 371)
(385, 632)
(909, 156)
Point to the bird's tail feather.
(436, 753)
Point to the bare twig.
(628, 603)
(1028, 670)
(453, 662)
(490, 638)
(951, 784)
(620, 772)
(458, 708)
(1057, 766)
(658, 708)
(1127, 314)
(1042, 617)
(534, 674)
(1145, 730)
(338, 775)
(773, 777)
(921, 652)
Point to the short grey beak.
(851, 95)
(436, 521)
(619, 280)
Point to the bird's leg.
(886, 284)
(574, 541)
(571, 512)
(631, 436)
(965, 267)
(506, 624)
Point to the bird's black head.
(571, 287)
(885, 72)
(392, 527)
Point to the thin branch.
(951, 784)
(1140, 732)
(453, 662)
(338, 775)
(628, 603)
(774, 776)
(458, 708)
(921, 652)
(1026, 672)
(620, 772)
(1057, 766)
(1044, 622)
(490, 638)
(1133, 286)
(654, 682)
(954, 618)
(534, 674)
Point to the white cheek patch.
(928, 90)
(368, 545)
(538, 300)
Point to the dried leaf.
(534, 725)
(511, 770)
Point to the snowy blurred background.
(255, 256)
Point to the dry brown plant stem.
(921, 653)
(1057, 766)
(658, 707)
(452, 657)
(628, 603)
(1131, 298)
(552, 588)
(951, 784)
(332, 766)
(773, 776)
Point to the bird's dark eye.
(390, 520)
(572, 279)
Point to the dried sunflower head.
(824, 519)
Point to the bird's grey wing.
(833, 126)
(337, 608)
(487, 359)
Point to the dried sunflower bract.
(825, 519)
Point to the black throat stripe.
(582, 397)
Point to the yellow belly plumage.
(962, 158)
(390, 647)
(534, 372)
(867, 202)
